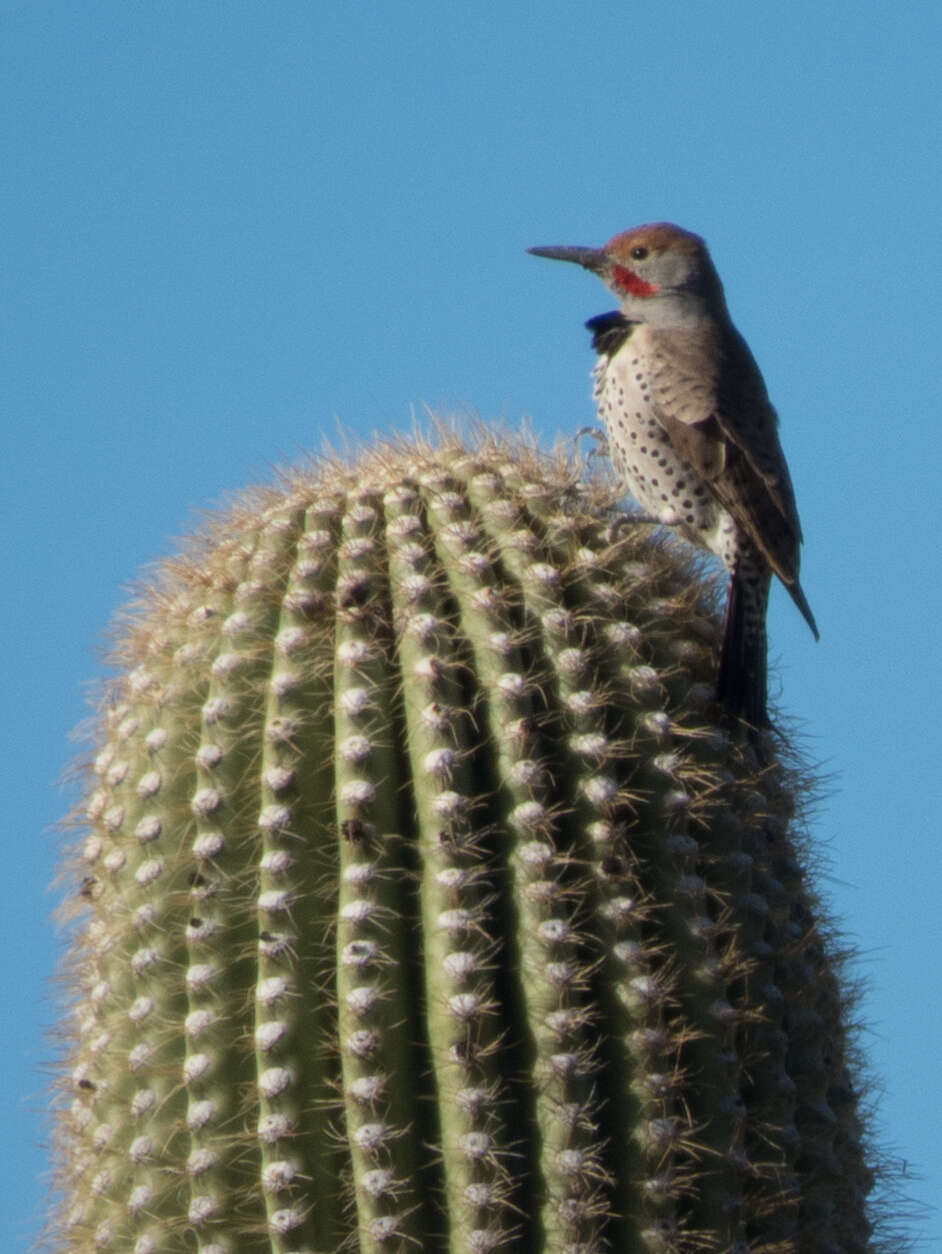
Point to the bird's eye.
(639, 253)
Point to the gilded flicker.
(693, 434)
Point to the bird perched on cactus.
(693, 434)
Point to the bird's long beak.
(591, 258)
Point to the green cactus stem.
(423, 905)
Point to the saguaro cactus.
(422, 906)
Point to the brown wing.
(713, 403)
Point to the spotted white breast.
(656, 476)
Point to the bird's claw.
(623, 520)
(597, 434)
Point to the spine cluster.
(423, 906)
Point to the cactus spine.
(422, 907)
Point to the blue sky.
(231, 229)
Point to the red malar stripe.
(628, 280)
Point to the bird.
(693, 435)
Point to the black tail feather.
(742, 684)
(802, 602)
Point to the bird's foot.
(623, 520)
(600, 438)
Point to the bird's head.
(656, 271)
